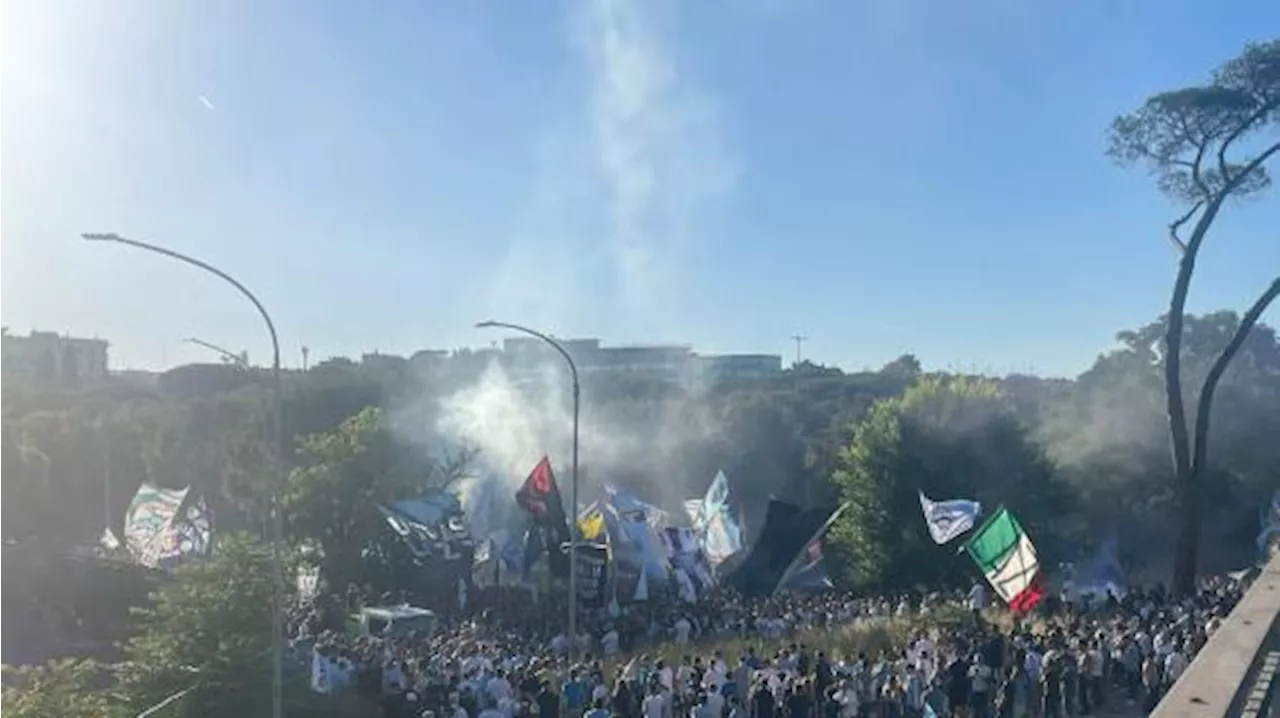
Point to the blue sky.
(882, 175)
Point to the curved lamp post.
(573, 514)
(277, 528)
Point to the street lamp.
(573, 517)
(226, 354)
(277, 532)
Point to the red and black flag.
(539, 496)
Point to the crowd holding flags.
(1000, 547)
(630, 543)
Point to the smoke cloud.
(631, 178)
(661, 446)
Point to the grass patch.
(871, 636)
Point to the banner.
(626, 559)
(163, 528)
(593, 575)
(688, 562)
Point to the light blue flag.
(948, 519)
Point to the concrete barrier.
(1235, 674)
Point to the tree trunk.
(1191, 493)
(1188, 543)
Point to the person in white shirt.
(654, 705)
(682, 629)
(499, 688)
(666, 676)
(458, 710)
(609, 642)
(923, 652)
(1174, 664)
(715, 701)
(978, 598)
(560, 644)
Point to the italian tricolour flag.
(1008, 559)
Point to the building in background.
(53, 360)
(679, 364)
(739, 367)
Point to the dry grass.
(870, 636)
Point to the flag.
(1007, 558)
(810, 556)
(164, 527)
(533, 550)
(693, 507)
(948, 519)
(591, 523)
(1270, 522)
(722, 538)
(539, 496)
(717, 494)
(593, 574)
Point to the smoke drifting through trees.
(661, 441)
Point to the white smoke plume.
(631, 179)
(515, 417)
(658, 144)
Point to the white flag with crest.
(948, 519)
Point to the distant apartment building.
(51, 359)
(677, 363)
(739, 367)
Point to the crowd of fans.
(727, 657)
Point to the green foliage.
(1109, 432)
(332, 496)
(1186, 137)
(68, 688)
(209, 628)
(208, 632)
(948, 437)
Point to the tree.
(208, 632)
(1108, 434)
(332, 497)
(1195, 140)
(67, 687)
(906, 367)
(948, 437)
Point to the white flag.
(948, 519)
(321, 680)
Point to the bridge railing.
(1235, 674)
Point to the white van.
(393, 621)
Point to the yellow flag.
(591, 524)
